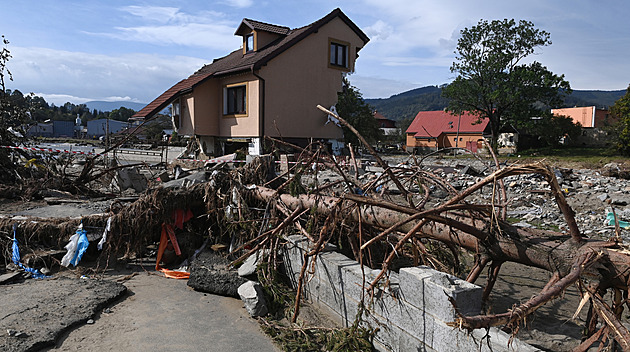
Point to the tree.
(122, 114)
(551, 129)
(351, 107)
(491, 81)
(12, 115)
(621, 111)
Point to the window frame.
(227, 112)
(249, 49)
(333, 49)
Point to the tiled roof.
(237, 62)
(267, 27)
(430, 124)
(379, 116)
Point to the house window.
(249, 42)
(338, 54)
(175, 115)
(235, 100)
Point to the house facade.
(387, 126)
(593, 122)
(268, 88)
(434, 130)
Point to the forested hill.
(407, 104)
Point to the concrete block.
(410, 314)
(429, 290)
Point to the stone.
(90, 321)
(602, 197)
(253, 297)
(250, 264)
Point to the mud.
(35, 313)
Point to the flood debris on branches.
(385, 215)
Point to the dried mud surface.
(37, 312)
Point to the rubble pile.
(437, 212)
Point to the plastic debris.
(36, 274)
(108, 228)
(76, 247)
(610, 220)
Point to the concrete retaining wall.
(411, 313)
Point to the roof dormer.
(257, 35)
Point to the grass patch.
(585, 157)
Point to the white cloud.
(169, 25)
(61, 99)
(136, 77)
(379, 31)
(239, 3)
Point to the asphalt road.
(161, 314)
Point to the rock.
(211, 273)
(602, 197)
(90, 321)
(250, 264)
(252, 295)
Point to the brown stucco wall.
(242, 126)
(187, 112)
(207, 107)
(300, 79)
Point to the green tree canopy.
(621, 111)
(493, 83)
(352, 108)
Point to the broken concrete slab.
(56, 305)
(211, 273)
(130, 177)
(8, 277)
(253, 297)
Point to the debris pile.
(460, 218)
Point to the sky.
(78, 51)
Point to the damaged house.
(268, 88)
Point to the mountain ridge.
(406, 105)
(113, 105)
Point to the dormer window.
(338, 54)
(249, 42)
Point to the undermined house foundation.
(410, 314)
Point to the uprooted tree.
(384, 220)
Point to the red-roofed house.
(433, 130)
(269, 87)
(387, 126)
